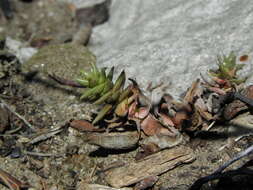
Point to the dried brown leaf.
(196, 121)
(122, 108)
(237, 106)
(151, 126)
(193, 91)
(179, 118)
(216, 90)
(203, 113)
(84, 126)
(166, 120)
(244, 58)
(132, 109)
(142, 113)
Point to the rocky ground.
(64, 160)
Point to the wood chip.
(152, 165)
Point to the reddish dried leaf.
(216, 90)
(244, 58)
(166, 120)
(141, 113)
(132, 109)
(179, 118)
(152, 126)
(219, 81)
(84, 126)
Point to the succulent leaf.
(104, 98)
(93, 91)
(102, 76)
(227, 69)
(106, 109)
(120, 81)
(83, 82)
(115, 96)
(102, 90)
(110, 74)
(125, 93)
(107, 87)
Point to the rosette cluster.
(227, 70)
(100, 89)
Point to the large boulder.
(172, 41)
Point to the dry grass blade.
(18, 115)
(45, 135)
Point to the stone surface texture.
(172, 41)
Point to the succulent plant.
(100, 89)
(227, 69)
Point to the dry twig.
(18, 115)
(11, 182)
(46, 135)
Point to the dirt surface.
(66, 160)
(49, 20)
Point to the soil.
(47, 105)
